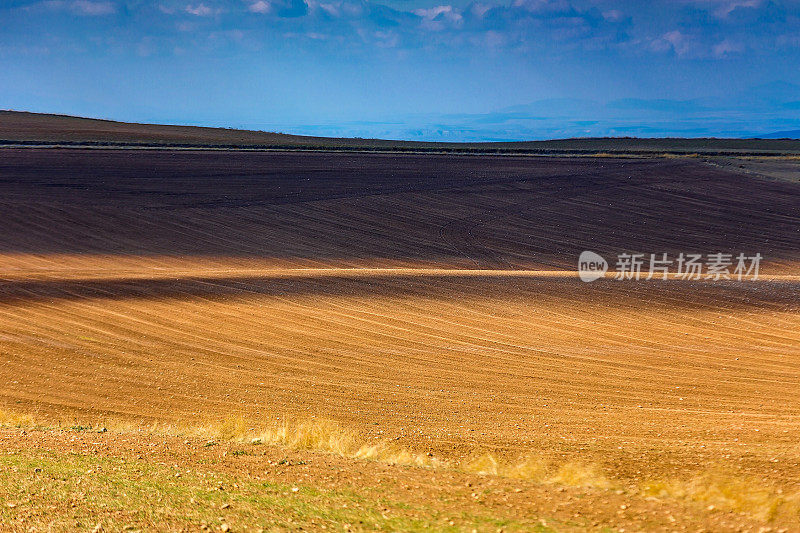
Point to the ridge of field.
(18, 127)
(424, 300)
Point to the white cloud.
(386, 39)
(201, 10)
(726, 47)
(82, 7)
(613, 15)
(337, 9)
(87, 7)
(494, 40)
(728, 6)
(478, 10)
(542, 6)
(522, 26)
(437, 17)
(723, 8)
(330, 9)
(262, 6)
(673, 40)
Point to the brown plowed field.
(428, 299)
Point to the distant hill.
(35, 129)
(23, 126)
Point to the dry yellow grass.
(725, 492)
(691, 155)
(715, 489)
(533, 468)
(12, 419)
(319, 435)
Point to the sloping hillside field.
(428, 303)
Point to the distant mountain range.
(763, 111)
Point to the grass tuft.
(727, 493)
(12, 419)
(577, 474)
(574, 474)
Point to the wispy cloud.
(673, 40)
(202, 10)
(726, 47)
(262, 6)
(723, 8)
(440, 17)
(686, 29)
(87, 7)
(79, 7)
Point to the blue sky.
(412, 69)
